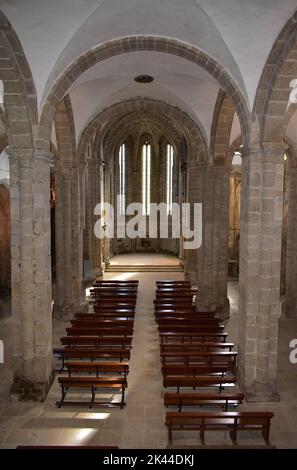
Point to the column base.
(63, 312)
(224, 310)
(25, 390)
(261, 392)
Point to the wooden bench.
(197, 346)
(203, 369)
(174, 328)
(195, 321)
(201, 357)
(93, 384)
(111, 304)
(174, 283)
(116, 282)
(192, 337)
(100, 323)
(175, 308)
(183, 312)
(96, 342)
(98, 367)
(173, 301)
(106, 316)
(203, 399)
(98, 309)
(78, 331)
(220, 421)
(24, 447)
(199, 381)
(91, 354)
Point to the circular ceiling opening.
(143, 79)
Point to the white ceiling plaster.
(249, 28)
(53, 33)
(44, 28)
(176, 81)
(235, 130)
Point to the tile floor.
(141, 423)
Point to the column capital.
(40, 154)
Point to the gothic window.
(146, 178)
(122, 164)
(169, 171)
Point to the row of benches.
(96, 350)
(195, 354)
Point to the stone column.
(95, 199)
(260, 263)
(31, 274)
(193, 186)
(69, 296)
(212, 262)
(291, 265)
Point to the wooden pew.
(187, 321)
(173, 301)
(112, 304)
(91, 354)
(174, 294)
(116, 282)
(126, 315)
(221, 399)
(174, 283)
(98, 308)
(98, 367)
(182, 312)
(220, 421)
(84, 331)
(93, 384)
(96, 342)
(25, 447)
(114, 289)
(187, 290)
(182, 337)
(197, 346)
(175, 308)
(201, 357)
(184, 381)
(175, 328)
(100, 323)
(192, 371)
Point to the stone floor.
(143, 259)
(141, 423)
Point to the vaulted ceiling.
(238, 34)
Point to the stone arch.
(20, 102)
(195, 137)
(132, 44)
(273, 92)
(221, 129)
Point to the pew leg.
(93, 396)
(63, 395)
(202, 435)
(265, 434)
(170, 435)
(233, 435)
(123, 398)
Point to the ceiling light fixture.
(143, 79)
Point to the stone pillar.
(69, 296)
(260, 264)
(212, 262)
(31, 274)
(193, 186)
(291, 266)
(95, 199)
